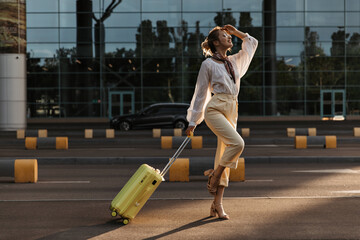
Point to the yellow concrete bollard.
(156, 132)
(196, 142)
(177, 132)
(42, 133)
(312, 132)
(20, 134)
(30, 143)
(356, 131)
(62, 143)
(166, 142)
(179, 171)
(245, 132)
(330, 141)
(88, 133)
(300, 142)
(26, 170)
(290, 132)
(238, 174)
(110, 133)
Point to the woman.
(221, 75)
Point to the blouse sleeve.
(202, 95)
(244, 56)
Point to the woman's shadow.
(197, 223)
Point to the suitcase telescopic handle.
(176, 155)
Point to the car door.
(157, 117)
(146, 117)
(165, 116)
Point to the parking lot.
(288, 193)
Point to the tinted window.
(153, 110)
(182, 109)
(176, 109)
(167, 110)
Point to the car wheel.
(180, 124)
(125, 126)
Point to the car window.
(166, 110)
(183, 108)
(173, 110)
(151, 111)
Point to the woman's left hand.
(190, 131)
(231, 29)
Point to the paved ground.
(306, 201)
(294, 194)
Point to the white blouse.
(213, 78)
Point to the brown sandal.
(212, 185)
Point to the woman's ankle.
(218, 171)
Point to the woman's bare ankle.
(218, 171)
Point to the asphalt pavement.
(277, 201)
(288, 193)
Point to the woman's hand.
(190, 131)
(230, 29)
(233, 31)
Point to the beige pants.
(221, 117)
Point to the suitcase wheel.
(126, 221)
(113, 213)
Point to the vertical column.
(269, 23)
(12, 64)
(84, 50)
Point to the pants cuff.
(230, 164)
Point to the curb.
(148, 141)
(195, 161)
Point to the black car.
(171, 115)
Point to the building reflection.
(153, 50)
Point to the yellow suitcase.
(139, 188)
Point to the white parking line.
(267, 145)
(263, 180)
(347, 171)
(351, 191)
(55, 200)
(63, 182)
(190, 199)
(109, 149)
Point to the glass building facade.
(103, 58)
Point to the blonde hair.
(207, 45)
